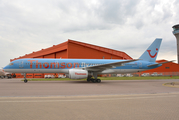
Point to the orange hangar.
(73, 49)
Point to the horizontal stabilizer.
(159, 63)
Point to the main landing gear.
(94, 80)
(25, 80)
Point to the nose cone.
(6, 68)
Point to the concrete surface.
(16, 87)
(79, 100)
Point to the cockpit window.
(10, 63)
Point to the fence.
(142, 74)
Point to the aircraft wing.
(159, 63)
(107, 66)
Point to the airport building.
(167, 69)
(78, 50)
(176, 33)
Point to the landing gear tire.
(88, 80)
(94, 81)
(25, 81)
(98, 80)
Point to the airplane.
(4, 74)
(87, 68)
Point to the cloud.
(115, 11)
(129, 26)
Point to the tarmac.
(79, 100)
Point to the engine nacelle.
(78, 74)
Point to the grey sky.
(124, 25)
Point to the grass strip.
(106, 78)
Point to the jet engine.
(78, 74)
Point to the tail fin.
(151, 53)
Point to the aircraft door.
(21, 64)
(140, 65)
(56, 64)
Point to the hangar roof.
(64, 46)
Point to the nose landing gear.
(25, 80)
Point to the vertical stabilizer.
(151, 53)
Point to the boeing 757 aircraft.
(87, 68)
